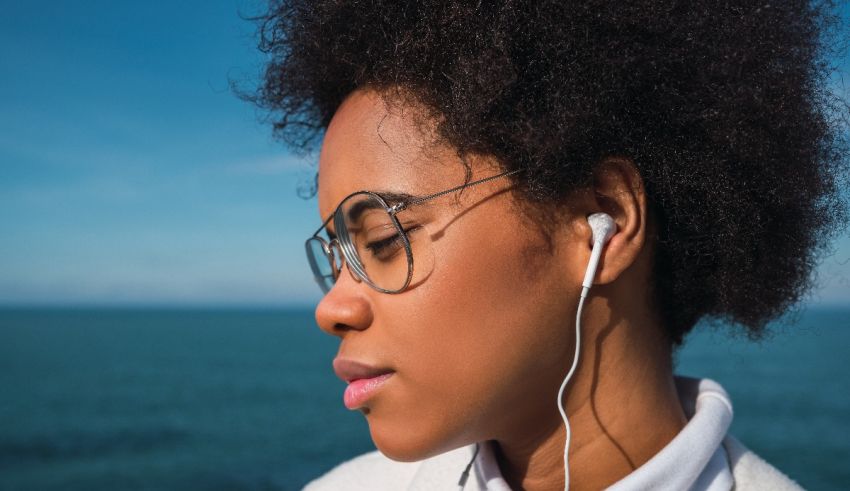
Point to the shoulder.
(752, 473)
(373, 470)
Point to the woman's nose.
(345, 307)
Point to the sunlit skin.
(481, 344)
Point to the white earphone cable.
(564, 385)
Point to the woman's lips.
(363, 380)
(360, 390)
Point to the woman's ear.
(618, 190)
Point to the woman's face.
(479, 345)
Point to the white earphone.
(603, 228)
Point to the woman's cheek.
(461, 343)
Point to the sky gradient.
(132, 175)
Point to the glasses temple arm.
(401, 206)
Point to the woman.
(482, 137)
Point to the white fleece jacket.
(701, 457)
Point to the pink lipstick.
(363, 381)
(359, 391)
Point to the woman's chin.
(407, 444)
(401, 446)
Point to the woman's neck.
(622, 407)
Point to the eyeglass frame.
(355, 267)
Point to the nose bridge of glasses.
(335, 255)
(355, 269)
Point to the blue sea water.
(246, 400)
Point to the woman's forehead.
(367, 146)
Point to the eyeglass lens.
(375, 248)
(320, 263)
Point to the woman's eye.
(387, 247)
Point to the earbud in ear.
(603, 228)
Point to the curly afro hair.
(724, 107)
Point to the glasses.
(378, 247)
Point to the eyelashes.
(386, 248)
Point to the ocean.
(104, 399)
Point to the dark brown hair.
(723, 107)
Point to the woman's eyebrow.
(393, 198)
(390, 197)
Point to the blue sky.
(131, 174)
